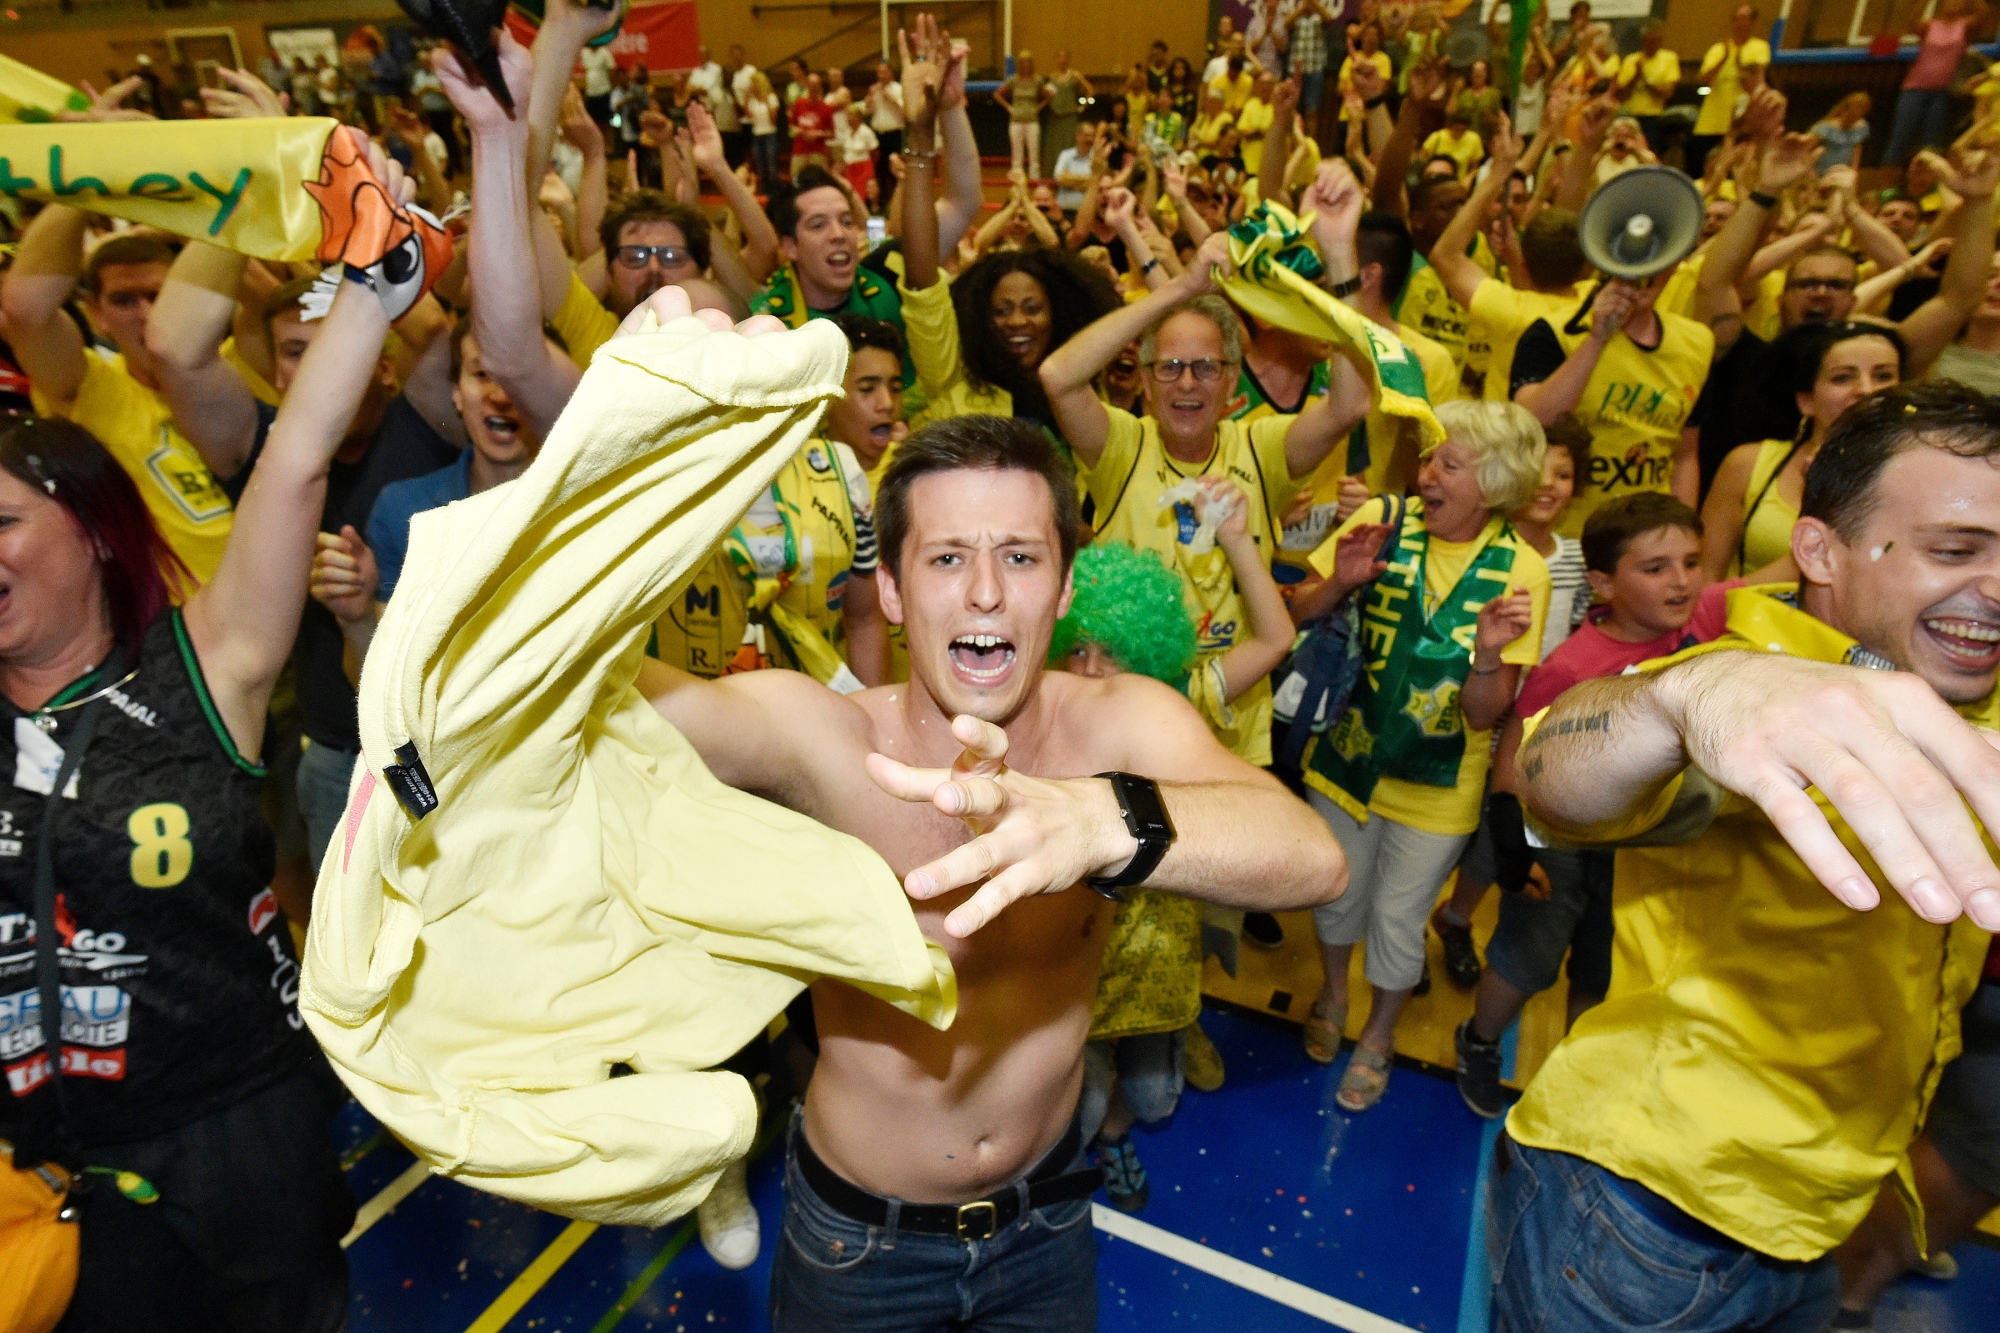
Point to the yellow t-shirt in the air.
(1126, 485)
(136, 425)
(1758, 1031)
(1450, 811)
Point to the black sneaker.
(1479, 1073)
(1124, 1177)
(1461, 958)
(1262, 929)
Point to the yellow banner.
(31, 96)
(241, 184)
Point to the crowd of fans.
(1619, 462)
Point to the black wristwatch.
(1146, 819)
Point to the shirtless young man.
(936, 1176)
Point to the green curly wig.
(1131, 605)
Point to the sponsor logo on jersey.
(262, 908)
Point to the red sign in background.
(658, 36)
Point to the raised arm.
(593, 190)
(506, 312)
(1460, 274)
(567, 27)
(961, 197)
(1068, 372)
(1578, 169)
(1269, 632)
(1561, 391)
(922, 78)
(1782, 161)
(1890, 755)
(1422, 111)
(196, 309)
(46, 341)
(243, 621)
(760, 238)
(1932, 325)
(1277, 145)
(1780, 253)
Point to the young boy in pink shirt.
(1642, 555)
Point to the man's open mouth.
(1970, 643)
(983, 659)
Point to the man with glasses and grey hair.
(1190, 350)
(1737, 406)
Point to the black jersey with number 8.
(179, 979)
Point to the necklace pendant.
(46, 723)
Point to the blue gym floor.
(1270, 1210)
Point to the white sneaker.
(729, 1230)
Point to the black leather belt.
(981, 1219)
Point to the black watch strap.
(1147, 821)
(1346, 288)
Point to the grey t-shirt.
(1972, 368)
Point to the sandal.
(1364, 1082)
(1323, 1033)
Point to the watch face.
(1146, 814)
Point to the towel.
(1276, 269)
(537, 878)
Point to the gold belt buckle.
(992, 1219)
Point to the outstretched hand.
(1354, 555)
(1503, 620)
(468, 92)
(1881, 747)
(247, 97)
(1032, 835)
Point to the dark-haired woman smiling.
(182, 1077)
(978, 343)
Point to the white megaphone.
(1641, 222)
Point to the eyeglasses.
(1829, 285)
(638, 256)
(1206, 371)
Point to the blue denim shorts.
(1039, 1275)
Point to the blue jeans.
(1570, 1251)
(1922, 117)
(764, 159)
(832, 1272)
(324, 773)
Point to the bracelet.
(1347, 288)
(1762, 200)
(1149, 266)
(1492, 671)
(1377, 100)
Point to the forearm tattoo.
(1599, 721)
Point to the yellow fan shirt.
(1635, 406)
(1766, 1054)
(1450, 811)
(1126, 484)
(136, 425)
(1499, 315)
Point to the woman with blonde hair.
(1455, 614)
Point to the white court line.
(1247, 1276)
(379, 1207)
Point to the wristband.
(1348, 287)
(1371, 103)
(1149, 266)
(1762, 200)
